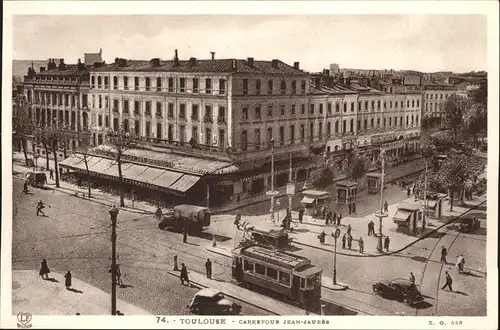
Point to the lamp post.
(291, 188)
(336, 235)
(35, 157)
(272, 192)
(381, 214)
(113, 212)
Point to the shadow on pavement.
(423, 305)
(51, 279)
(469, 273)
(75, 290)
(124, 286)
(460, 292)
(419, 258)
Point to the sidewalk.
(237, 292)
(31, 293)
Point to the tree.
(42, 137)
(454, 110)
(121, 141)
(83, 152)
(23, 127)
(476, 120)
(54, 138)
(355, 166)
(454, 172)
(322, 176)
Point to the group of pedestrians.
(184, 276)
(330, 216)
(45, 271)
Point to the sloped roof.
(69, 70)
(218, 65)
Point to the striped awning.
(141, 175)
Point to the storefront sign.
(290, 188)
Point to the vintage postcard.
(250, 164)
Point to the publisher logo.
(24, 319)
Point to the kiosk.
(346, 193)
(374, 180)
(313, 200)
(407, 217)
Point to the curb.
(365, 255)
(211, 249)
(336, 287)
(199, 286)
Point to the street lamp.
(381, 214)
(113, 212)
(272, 193)
(336, 235)
(35, 157)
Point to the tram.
(290, 276)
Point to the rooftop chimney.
(274, 63)
(117, 60)
(233, 64)
(296, 65)
(192, 61)
(97, 64)
(122, 62)
(317, 82)
(42, 69)
(213, 55)
(250, 61)
(155, 62)
(176, 58)
(327, 72)
(62, 66)
(80, 65)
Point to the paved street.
(75, 236)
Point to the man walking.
(334, 217)
(387, 241)
(386, 207)
(339, 217)
(184, 274)
(448, 282)
(208, 268)
(343, 241)
(39, 208)
(349, 229)
(51, 174)
(412, 278)
(444, 253)
(361, 245)
(349, 241)
(158, 213)
(185, 234)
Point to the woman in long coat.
(67, 282)
(44, 270)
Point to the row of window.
(57, 99)
(196, 112)
(256, 88)
(271, 273)
(432, 107)
(436, 96)
(56, 78)
(169, 86)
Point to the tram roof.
(278, 258)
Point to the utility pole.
(113, 212)
(425, 198)
(272, 180)
(381, 213)
(290, 196)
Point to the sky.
(425, 43)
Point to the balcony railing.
(207, 119)
(221, 120)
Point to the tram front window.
(310, 282)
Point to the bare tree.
(82, 152)
(121, 141)
(41, 136)
(22, 126)
(54, 138)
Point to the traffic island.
(334, 287)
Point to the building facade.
(434, 97)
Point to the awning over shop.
(402, 215)
(307, 200)
(142, 175)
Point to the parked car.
(212, 302)
(36, 179)
(469, 223)
(399, 289)
(193, 216)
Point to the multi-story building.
(434, 96)
(57, 95)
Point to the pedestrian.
(369, 228)
(354, 208)
(158, 213)
(39, 208)
(321, 237)
(67, 281)
(51, 174)
(119, 275)
(334, 217)
(349, 229)
(237, 219)
(386, 206)
(301, 215)
(185, 234)
(25, 186)
(361, 245)
(444, 253)
(460, 263)
(372, 228)
(184, 274)
(448, 282)
(339, 217)
(323, 212)
(327, 218)
(44, 270)
(60, 171)
(349, 241)
(175, 263)
(408, 192)
(208, 268)
(343, 241)
(412, 278)
(387, 241)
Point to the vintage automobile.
(212, 302)
(469, 223)
(270, 235)
(36, 179)
(192, 216)
(399, 289)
